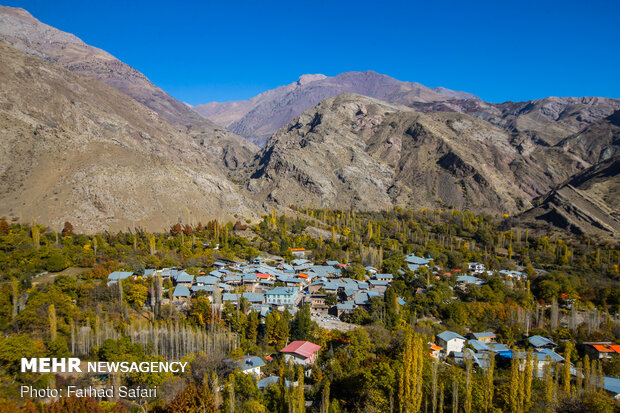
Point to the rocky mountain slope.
(356, 151)
(73, 148)
(595, 143)
(258, 118)
(585, 204)
(545, 122)
(21, 30)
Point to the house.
(541, 358)
(344, 308)
(476, 268)
(180, 293)
(500, 349)
(183, 278)
(601, 350)
(332, 263)
(435, 350)
(541, 342)
(478, 345)
(384, 277)
(298, 252)
(282, 296)
(413, 259)
(249, 365)
(469, 279)
(300, 262)
(485, 337)
(450, 341)
(254, 298)
(268, 381)
(119, 275)
(317, 302)
(301, 352)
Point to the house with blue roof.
(180, 293)
(207, 280)
(478, 345)
(119, 275)
(268, 381)
(539, 342)
(249, 365)
(254, 298)
(184, 278)
(469, 279)
(384, 277)
(500, 349)
(230, 297)
(451, 341)
(414, 259)
(206, 288)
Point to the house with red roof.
(601, 350)
(301, 352)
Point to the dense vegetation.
(381, 366)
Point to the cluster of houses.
(281, 285)
(301, 353)
(479, 347)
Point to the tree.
(51, 314)
(67, 230)
(4, 227)
(193, 399)
(136, 295)
(56, 261)
(302, 324)
(176, 229)
(566, 376)
(410, 381)
(200, 311)
(331, 299)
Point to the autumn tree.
(193, 399)
(4, 227)
(67, 230)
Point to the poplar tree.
(468, 380)
(14, 296)
(488, 389)
(515, 384)
(301, 400)
(548, 384)
(566, 369)
(410, 389)
(51, 315)
(527, 381)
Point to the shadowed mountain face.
(258, 118)
(76, 149)
(585, 204)
(19, 29)
(356, 151)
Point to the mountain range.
(89, 139)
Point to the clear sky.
(200, 51)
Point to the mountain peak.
(303, 79)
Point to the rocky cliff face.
(261, 116)
(356, 151)
(19, 29)
(587, 203)
(76, 149)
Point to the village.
(272, 284)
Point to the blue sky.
(200, 51)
